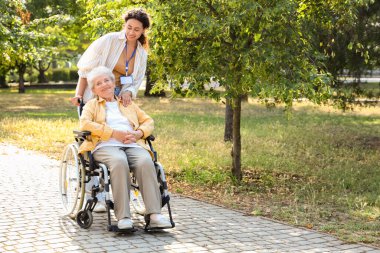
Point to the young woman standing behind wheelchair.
(117, 134)
(125, 54)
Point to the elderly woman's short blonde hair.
(99, 71)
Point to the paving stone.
(40, 225)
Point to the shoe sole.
(152, 225)
(125, 228)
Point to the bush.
(31, 75)
(73, 74)
(64, 74)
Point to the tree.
(352, 44)
(149, 89)
(20, 51)
(101, 17)
(33, 33)
(59, 28)
(22, 41)
(261, 48)
(8, 21)
(347, 33)
(228, 121)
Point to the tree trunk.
(236, 147)
(41, 72)
(42, 77)
(54, 64)
(244, 98)
(150, 84)
(228, 121)
(21, 72)
(3, 81)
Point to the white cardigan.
(106, 51)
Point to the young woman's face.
(133, 29)
(104, 87)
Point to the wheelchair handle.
(81, 105)
(150, 138)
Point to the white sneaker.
(159, 221)
(100, 207)
(125, 223)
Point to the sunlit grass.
(317, 167)
(14, 90)
(42, 134)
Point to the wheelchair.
(77, 169)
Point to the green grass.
(317, 168)
(14, 90)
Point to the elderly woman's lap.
(131, 157)
(112, 157)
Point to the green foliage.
(347, 34)
(256, 48)
(16, 43)
(278, 51)
(73, 74)
(101, 17)
(33, 33)
(64, 74)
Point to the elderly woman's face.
(104, 87)
(133, 29)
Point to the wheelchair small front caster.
(84, 219)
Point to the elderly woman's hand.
(126, 98)
(129, 138)
(138, 134)
(119, 135)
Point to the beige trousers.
(120, 163)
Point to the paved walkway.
(31, 221)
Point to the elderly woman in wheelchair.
(116, 139)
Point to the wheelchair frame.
(76, 171)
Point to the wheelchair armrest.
(150, 138)
(81, 134)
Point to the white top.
(116, 121)
(106, 51)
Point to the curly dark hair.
(141, 15)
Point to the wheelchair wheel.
(71, 181)
(136, 198)
(84, 219)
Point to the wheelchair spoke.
(70, 181)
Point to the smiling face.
(104, 87)
(133, 29)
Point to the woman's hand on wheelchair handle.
(76, 100)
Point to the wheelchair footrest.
(149, 228)
(114, 228)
